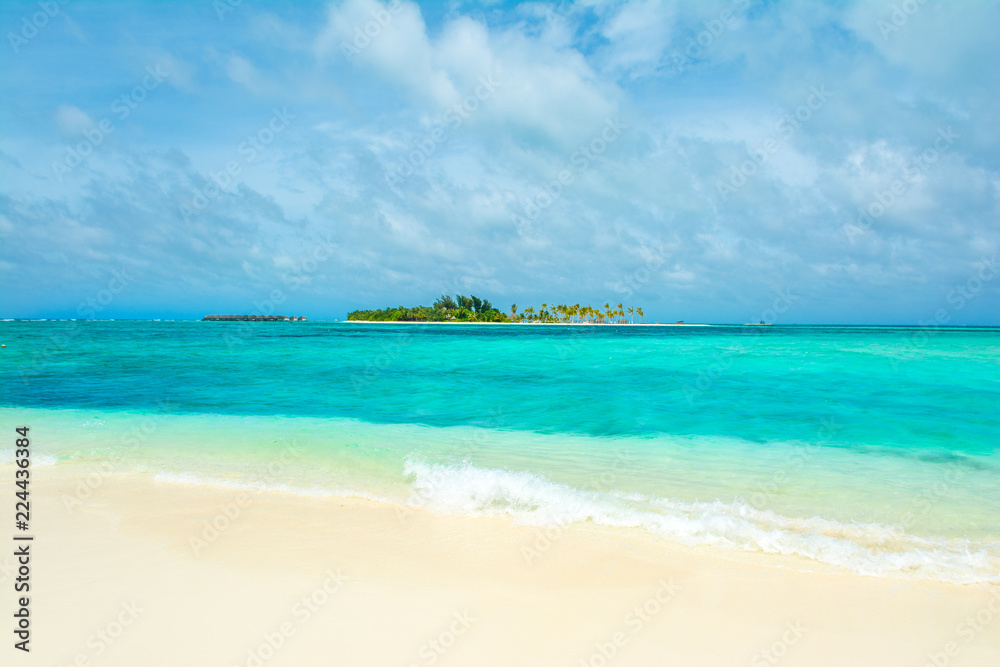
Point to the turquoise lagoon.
(873, 449)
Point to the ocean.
(871, 449)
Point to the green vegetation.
(446, 309)
(577, 314)
(473, 309)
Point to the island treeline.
(473, 309)
(577, 314)
(445, 309)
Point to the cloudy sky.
(709, 161)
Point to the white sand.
(118, 582)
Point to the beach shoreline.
(230, 577)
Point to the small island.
(473, 309)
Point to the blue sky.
(709, 161)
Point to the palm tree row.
(577, 314)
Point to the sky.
(712, 161)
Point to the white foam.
(37, 460)
(262, 486)
(865, 548)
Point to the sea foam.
(864, 548)
(257, 486)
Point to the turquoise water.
(875, 449)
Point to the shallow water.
(870, 448)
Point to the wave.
(259, 486)
(462, 489)
(37, 460)
(864, 548)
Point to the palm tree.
(638, 311)
(630, 318)
(513, 311)
(529, 312)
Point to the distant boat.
(762, 323)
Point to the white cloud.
(545, 92)
(451, 221)
(638, 34)
(391, 39)
(72, 120)
(242, 71)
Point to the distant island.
(252, 318)
(473, 309)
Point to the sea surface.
(873, 449)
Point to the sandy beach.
(403, 333)
(215, 576)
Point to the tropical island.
(473, 309)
